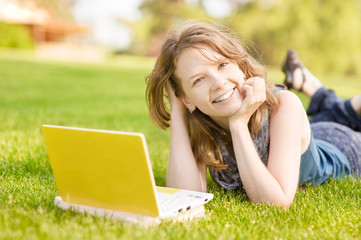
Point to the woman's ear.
(188, 105)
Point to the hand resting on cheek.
(254, 94)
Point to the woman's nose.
(218, 81)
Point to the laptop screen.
(104, 169)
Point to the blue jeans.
(335, 121)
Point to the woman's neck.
(222, 122)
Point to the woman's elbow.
(284, 202)
(185, 185)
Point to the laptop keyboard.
(179, 201)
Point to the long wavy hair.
(201, 128)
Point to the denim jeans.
(335, 121)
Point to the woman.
(247, 132)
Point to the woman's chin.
(235, 109)
(224, 111)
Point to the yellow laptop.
(109, 173)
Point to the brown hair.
(201, 128)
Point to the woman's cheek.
(239, 80)
(241, 92)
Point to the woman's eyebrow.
(193, 76)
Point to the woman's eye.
(197, 81)
(222, 65)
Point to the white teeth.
(223, 97)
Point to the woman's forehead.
(204, 54)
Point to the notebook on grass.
(109, 173)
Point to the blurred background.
(326, 33)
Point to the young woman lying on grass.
(225, 116)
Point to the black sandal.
(292, 62)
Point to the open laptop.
(109, 173)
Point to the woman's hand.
(176, 105)
(254, 92)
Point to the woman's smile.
(225, 96)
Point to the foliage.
(326, 33)
(158, 17)
(109, 96)
(15, 36)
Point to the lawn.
(111, 96)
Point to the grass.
(111, 96)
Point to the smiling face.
(210, 82)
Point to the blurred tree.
(158, 17)
(162, 13)
(327, 33)
(15, 36)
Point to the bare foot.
(305, 81)
(298, 77)
(309, 85)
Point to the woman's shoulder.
(284, 93)
(290, 111)
(288, 99)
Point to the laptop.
(109, 173)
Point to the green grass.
(111, 96)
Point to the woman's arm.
(277, 182)
(183, 171)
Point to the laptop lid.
(104, 169)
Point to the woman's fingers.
(175, 103)
(254, 94)
(254, 90)
(248, 93)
